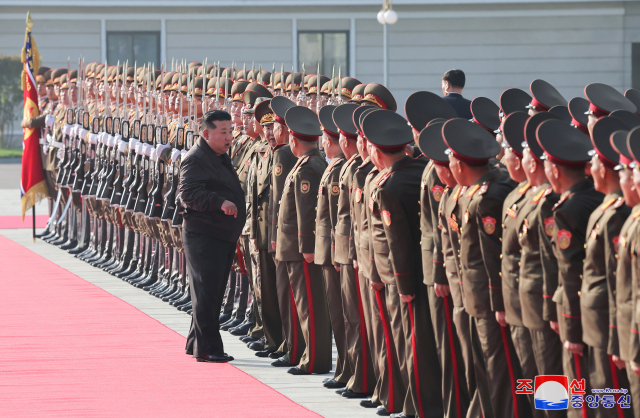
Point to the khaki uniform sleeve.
(491, 247)
(439, 268)
(549, 262)
(611, 235)
(307, 181)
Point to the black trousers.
(208, 265)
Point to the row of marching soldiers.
(453, 260)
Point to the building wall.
(569, 44)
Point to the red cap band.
(597, 112)
(538, 106)
(490, 131)
(441, 163)
(331, 134)
(375, 99)
(468, 160)
(302, 137)
(280, 120)
(570, 164)
(348, 135)
(580, 126)
(624, 160)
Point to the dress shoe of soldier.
(231, 324)
(242, 329)
(297, 372)
(349, 394)
(214, 358)
(249, 339)
(401, 415)
(224, 318)
(276, 354)
(342, 390)
(256, 346)
(382, 411)
(333, 384)
(368, 403)
(188, 352)
(281, 362)
(264, 353)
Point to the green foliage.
(11, 153)
(11, 95)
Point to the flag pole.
(33, 213)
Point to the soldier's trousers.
(425, 376)
(547, 351)
(494, 354)
(392, 390)
(342, 373)
(575, 366)
(462, 322)
(293, 344)
(634, 389)
(269, 308)
(372, 320)
(455, 396)
(603, 373)
(311, 304)
(362, 377)
(524, 349)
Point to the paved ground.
(10, 189)
(10, 173)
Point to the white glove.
(175, 154)
(66, 129)
(93, 139)
(49, 121)
(152, 154)
(122, 146)
(132, 143)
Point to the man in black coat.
(452, 85)
(214, 215)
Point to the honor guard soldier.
(421, 108)
(377, 95)
(395, 227)
(296, 240)
(283, 161)
(544, 97)
(628, 146)
(328, 193)
(471, 147)
(513, 216)
(357, 94)
(362, 381)
(566, 152)
(599, 278)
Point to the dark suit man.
(214, 215)
(452, 85)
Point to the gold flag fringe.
(35, 194)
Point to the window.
(327, 48)
(140, 47)
(635, 66)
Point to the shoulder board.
(364, 162)
(335, 162)
(539, 195)
(353, 157)
(619, 202)
(262, 148)
(456, 195)
(237, 133)
(382, 179)
(304, 160)
(244, 139)
(548, 191)
(473, 190)
(524, 189)
(561, 201)
(484, 188)
(606, 204)
(430, 164)
(635, 215)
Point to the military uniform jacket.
(449, 228)
(571, 216)
(245, 163)
(345, 248)
(327, 212)
(395, 224)
(236, 151)
(297, 214)
(282, 162)
(431, 190)
(597, 299)
(261, 190)
(480, 246)
(257, 152)
(512, 219)
(362, 217)
(538, 265)
(624, 300)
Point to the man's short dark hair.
(209, 118)
(455, 78)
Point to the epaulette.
(457, 194)
(473, 190)
(635, 215)
(619, 202)
(382, 179)
(262, 148)
(430, 164)
(237, 133)
(244, 139)
(541, 193)
(334, 162)
(364, 162)
(524, 189)
(485, 187)
(605, 205)
(561, 201)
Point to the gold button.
(500, 256)
(614, 292)
(314, 232)
(418, 213)
(502, 226)
(259, 207)
(581, 277)
(500, 239)
(420, 242)
(260, 219)
(579, 293)
(617, 256)
(500, 274)
(519, 265)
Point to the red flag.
(33, 187)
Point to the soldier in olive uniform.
(599, 280)
(565, 155)
(296, 240)
(470, 148)
(327, 216)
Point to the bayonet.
(204, 88)
(293, 83)
(273, 78)
(333, 80)
(218, 89)
(318, 82)
(253, 72)
(282, 81)
(259, 77)
(340, 85)
(302, 96)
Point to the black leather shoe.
(264, 353)
(349, 394)
(382, 412)
(249, 339)
(188, 352)
(333, 384)
(368, 403)
(234, 322)
(341, 391)
(256, 346)
(297, 372)
(224, 318)
(401, 415)
(281, 362)
(241, 329)
(212, 358)
(276, 355)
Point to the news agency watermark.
(555, 392)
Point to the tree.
(11, 95)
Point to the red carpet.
(14, 222)
(70, 349)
